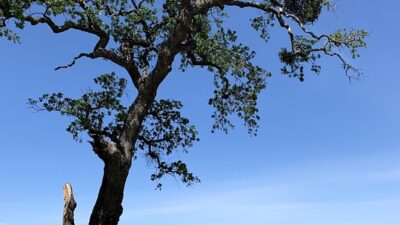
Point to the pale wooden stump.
(69, 205)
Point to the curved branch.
(203, 62)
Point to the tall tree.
(145, 37)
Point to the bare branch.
(89, 55)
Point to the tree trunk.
(108, 207)
(69, 205)
(117, 162)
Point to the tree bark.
(69, 205)
(117, 158)
(108, 207)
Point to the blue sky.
(327, 153)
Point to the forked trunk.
(108, 207)
(117, 162)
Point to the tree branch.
(89, 55)
(99, 145)
(202, 62)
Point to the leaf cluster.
(237, 80)
(307, 11)
(165, 130)
(89, 112)
(100, 113)
(144, 37)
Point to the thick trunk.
(108, 207)
(117, 162)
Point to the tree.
(145, 37)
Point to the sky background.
(327, 153)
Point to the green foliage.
(141, 28)
(166, 129)
(262, 24)
(352, 40)
(9, 34)
(89, 111)
(4, 15)
(144, 37)
(307, 11)
(163, 131)
(305, 52)
(237, 80)
(294, 61)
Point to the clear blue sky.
(328, 151)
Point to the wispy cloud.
(391, 175)
(224, 208)
(241, 200)
(325, 195)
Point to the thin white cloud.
(314, 193)
(230, 211)
(244, 202)
(160, 210)
(386, 175)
